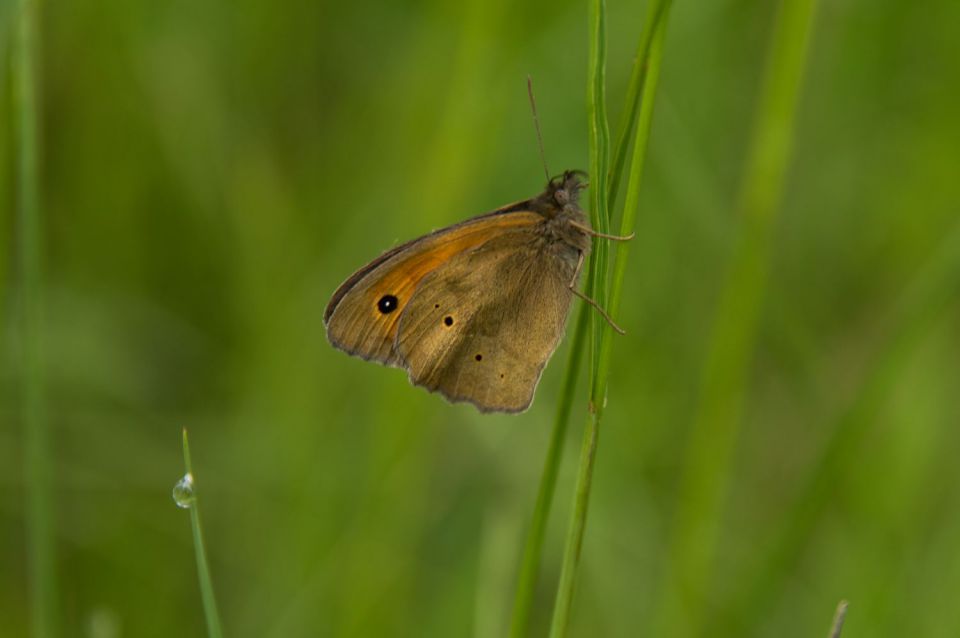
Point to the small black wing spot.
(387, 304)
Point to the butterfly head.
(563, 192)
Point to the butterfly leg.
(573, 289)
(593, 233)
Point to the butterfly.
(475, 310)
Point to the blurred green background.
(211, 171)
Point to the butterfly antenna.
(536, 125)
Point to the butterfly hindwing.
(482, 325)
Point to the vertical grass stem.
(649, 62)
(38, 465)
(203, 568)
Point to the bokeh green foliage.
(210, 171)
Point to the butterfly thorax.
(559, 206)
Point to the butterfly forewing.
(363, 314)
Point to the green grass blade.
(651, 42)
(599, 164)
(534, 543)
(578, 522)
(41, 537)
(716, 426)
(650, 62)
(656, 11)
(189, 499)
(600, 218)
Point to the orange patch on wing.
(398, 272)
(410, 266)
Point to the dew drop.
(183, 494)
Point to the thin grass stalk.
(656, 11)
(534, 543)
(717, 423)
(600, 371)
(657, 27)
(578, 521)
(40, 524)
(210, 612)
(600, 218)
(533, 548)
(599, 165)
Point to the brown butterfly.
(472, 311)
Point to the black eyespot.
(387, 304)
(448, 320)
(479, 357)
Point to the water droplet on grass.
(183, 494)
